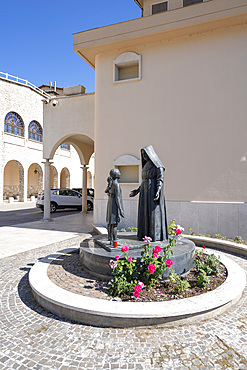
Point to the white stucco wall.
(28, 104)
(190, 105)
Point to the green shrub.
(179, 284)
(238, 239)
(202, 279)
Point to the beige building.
(175, 78)
(21, 143)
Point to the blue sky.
(37, 37)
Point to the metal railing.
(22, 81)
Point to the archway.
(13, 181)
(54, 178)
(65, 178)
(84, 147)
(34, 180)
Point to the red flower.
(125, 248)
(157, 249)
(137, 288)
(136, 294)
(117, 257)
(178, 231)
(155, 255)
(151, 268)
(204, 247)
(169, 262)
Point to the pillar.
(84, 188)
(24, 184)
(47, 192)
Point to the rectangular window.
(191, 2)
(159, 8)
(129, 174)
(127, 72)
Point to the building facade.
(21, 143)
(175, 78)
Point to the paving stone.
(31, 337)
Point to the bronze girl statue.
(114, 205)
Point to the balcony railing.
(22, 81)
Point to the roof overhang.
(139, 3)
(203, 17)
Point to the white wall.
(28, 104)
(190, 105)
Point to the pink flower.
(117, 257)
(129, 259)
(136, 294)
(157, 249)
(125, 248)
(113, 264)
(155, 255)
(151, 268)
(147, 239)
(137, 288)
(178, 231)
(141, 284)
(169, 262)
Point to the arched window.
(65, 146)
(35, 131)
(13, 124)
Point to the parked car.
(64, 198)
(90, 197)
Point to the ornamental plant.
(124, 274)
(131, 275)
(202, 279)
(207, 262)
(178, 283)
(175, 229)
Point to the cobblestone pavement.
(32, 338)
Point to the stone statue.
(114, 205)
(152, 210)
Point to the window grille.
(191, 2)
(35, 131)
(159, 8)
(13, 124)
(65, 146)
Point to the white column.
(47, 192)
(25, 181)
(84, 188)
(1, 181)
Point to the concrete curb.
(104, 313)
(240, 249)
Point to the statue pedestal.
(96, 253)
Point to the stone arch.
(54, 178)
(34, 180)
(13, 180)
(83, 144)
(65, 178)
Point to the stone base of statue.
(96, 253)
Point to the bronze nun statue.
(152, 220)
